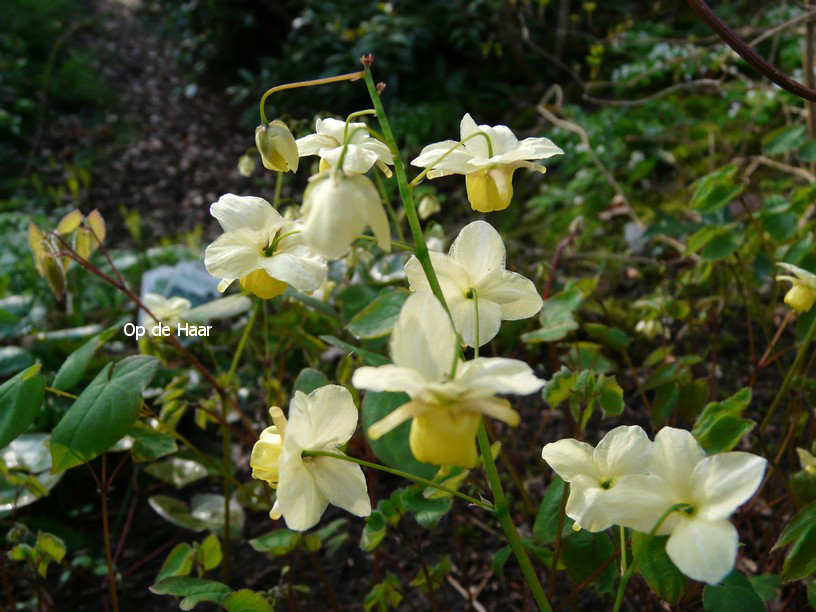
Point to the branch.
(747, 53)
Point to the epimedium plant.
(666, 502)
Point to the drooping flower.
(449, 396)
(473, 273)
(594, 472)
(362, 150)
(488, 161)
(167, 311)
(802, 293)
(702, 541)
(337, 208)
(277, 147)
(324, 420)
(259, 247)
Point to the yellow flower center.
(800, 297)
(263, 285)
(490, 190)
(445, 437)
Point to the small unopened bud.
(246, 164)
(277, 147)
(380, 87)
(428, 206)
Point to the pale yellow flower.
(802, 293)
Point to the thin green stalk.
(278, 187)
(311, 83)
(346, 142)
(502, 513)
(400, 245)
(400, 473)
(389, 208)
(368, 111)
(633, 566)
(623, 549)
(406, 192)
(422, 174)
(783, 390)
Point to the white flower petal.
(246, 212)
(313, 143)
(325, 418)
(585, 504)
(493, 407)
(298, 498)
(343, 484)
(423, 338)
(476, 145)
(380, 149)
(389, 378)
(624, 450)
(703, 550)
(357, 160)
(517, 295)
(231, 257)
(478, 249)
(724, 482)
(674, 455)
(638, 500)
(501, 138)
(570, 458)
(453, 279)
(303, 273)
(498, 375)
(455, 162)
(396, 417)
(463, 313)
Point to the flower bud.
(800, 297)
(336, 210)
(246, 164)
(445, 437)
(277, 147)
(266, 453)
(429, 205)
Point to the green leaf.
(211, 554)
(74, 366)
(656, 568)
(499, 560)
(276, 543)
(193, 590)
(51, 545)
(560, 387)
(149, 444)
(309, 379)
(721, 426)
(735, 594)
(800, 561)
(723, 245)
(584, 553)
(245, 601)
(20, 401)
(703, 236)
(104, 412)
(392, 448)
(428, 511)
(178, 563)
(373, 532)
(379, 317)
(807, 152)
(385, 595)
(556, 317)
(783, 140)
(766, 586)
(798, 526)
(611, 396)
(545, 527)
(177, 471)
(716, 190)
(175, 511)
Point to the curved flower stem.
(633, 565)
(422, 174)
(405, 192)
(500, 507)
(368, 111)
(346, 142)
(400, 473)
(800, 356)
(352, 76)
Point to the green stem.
(633, 566)
(502, 513)
(623, 549)
(346, 142)
(421, 175)
(406, 192)
(800, 356)
(400, 473)
(311, 83)
(368, 111)
(278, 187)
(400, 245)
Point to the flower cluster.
(630, 481)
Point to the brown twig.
(733, 40)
